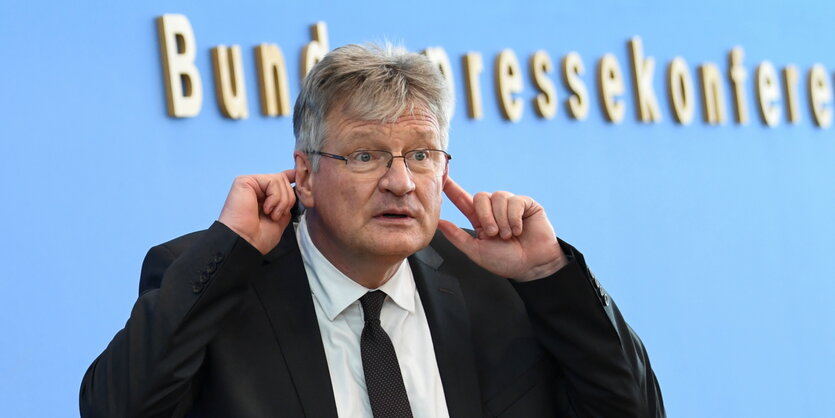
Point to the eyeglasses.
(372, 161)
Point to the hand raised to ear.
(258, 208)
(514, 238)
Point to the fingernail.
(491, 230)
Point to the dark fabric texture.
(219, 330)
(383, 379)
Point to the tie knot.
(372, 303)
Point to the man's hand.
(514, 238)
(258, 208)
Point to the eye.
(363, 156)
(420, 155)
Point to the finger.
(459, 238)
(280, 199)
(287, 197)
(499, 202)
(515, 209)
(246, 184)
(484, 213)
(281, 213)
(273, 190)
(290, 174)
(273, 187)
(290, 198)
(462, 200)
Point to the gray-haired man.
(368, 303)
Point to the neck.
(370, 271)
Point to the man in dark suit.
(367, 303)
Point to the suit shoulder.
(444, 248)
(443, 255)
(181, 243)
(159, 257)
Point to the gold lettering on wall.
(229, 81)
(791, 76)
(820, 96)
(183, 87)
(316, 49)
(610, 86)
(713, 96)
(545, 102)
(184, 90)
(272, 80)
(642, 74)
(738, 75)
(767, 93)
(508, 81)
(473, 66)
(578, 101)
(439, 57)
(680, 91)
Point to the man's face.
(356, 217)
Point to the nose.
(397, 179)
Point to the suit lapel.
(285, 294)
(449, 324)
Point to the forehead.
(418, 128)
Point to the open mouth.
(394, 215)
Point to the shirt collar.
(335, 291)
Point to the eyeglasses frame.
(391, 160)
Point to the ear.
(304, 179)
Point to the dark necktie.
(379, 362)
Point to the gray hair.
(370, 82)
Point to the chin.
(396, 245)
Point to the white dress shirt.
(340, 317)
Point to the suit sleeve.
(606, 366)
(149, 367)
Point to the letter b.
(183, 88)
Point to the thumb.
(458, 237)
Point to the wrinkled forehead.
(350, 122)
(415, 133)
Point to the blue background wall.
(715, 241)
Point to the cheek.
(346, 193)
(332, 195)
(352, 197)
(432, 196)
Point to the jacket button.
(211, 268)
(218, 258)
(196, 287)
(204, 278)
(605, 298)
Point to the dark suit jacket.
(220, 330)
